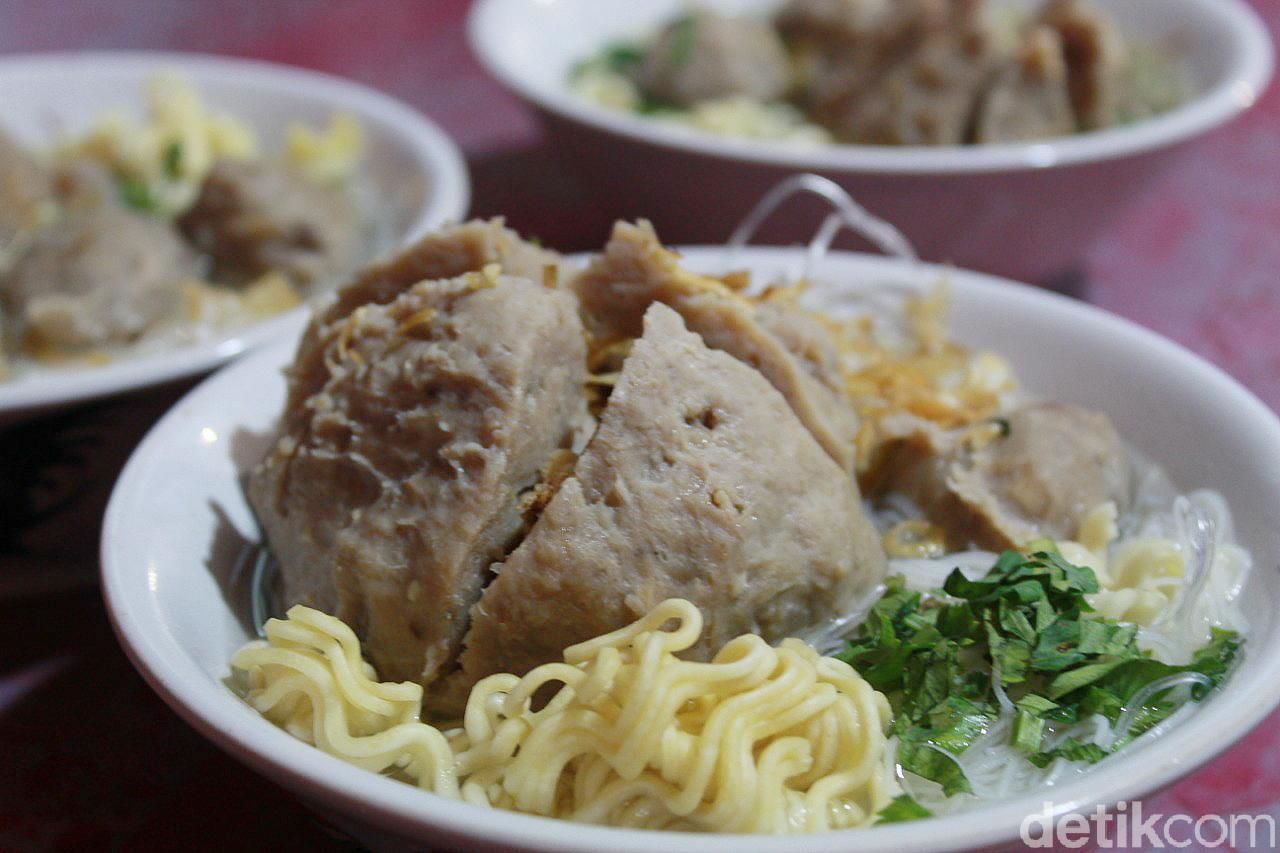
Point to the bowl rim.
(1252, 65)
(434, 152)
(399, 808)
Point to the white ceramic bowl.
(415, 171)
(1026, 211)
(178, 520)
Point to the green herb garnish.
(136, 194)
(622, 57)
(173, 160)
(902, 809)
(1027, 625)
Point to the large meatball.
(793, 352)
(415, 427)
(699, 483)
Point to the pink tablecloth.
(89, 757)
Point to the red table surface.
(90, 757)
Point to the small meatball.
(97, 279)
(705, 55)
(700, 483)
(24, 191)
(252, 218)
(1097, 60)
(1055, 464)
(795, 353)
(1029, 98)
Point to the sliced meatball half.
(414, 433)
(794, 352)
(447, 253)
(699, 483)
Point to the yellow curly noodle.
(308, 678)
(170, 150)
(761, 739)
(330, 155)
(733, 115)
(1139, 578)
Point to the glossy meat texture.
(24, 189)
(415, 429)
(699, 483)
(98, 277)
(252, 218)
(1029, 98)
(794, 353)
(705, 55)
(993, 491)
(1097, 60)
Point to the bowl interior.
(1219, 46)
(178, 525)
(415, 173)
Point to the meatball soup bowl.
(406, 162)
(1027, 210)
(179, 527)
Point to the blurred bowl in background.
(411, 169)
(1027, 211)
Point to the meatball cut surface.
(700, 483)
(1049, 465)
(793, 351)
